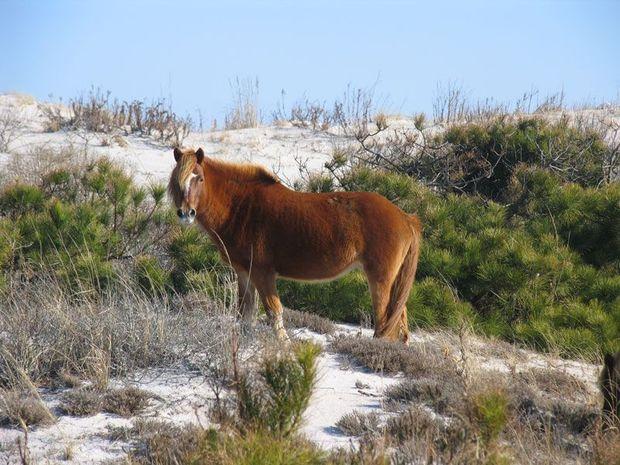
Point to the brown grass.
(18, 408)
(391, 357)
(81, 402)
(308, 320)
(126, 401)
(357, 423)
(157, 442)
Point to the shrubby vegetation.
(97, 112)
(528, 255)
(262, 429)
(451, 408)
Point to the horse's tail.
(401, 287)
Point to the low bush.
(390, 357)
(161, 443)
(586, 219)
(506, 270)
(81, 402)
(126, 402)
(308, 320)
(275, 398)
(490, 414)
(19, 408)
(481, 157)
(438, 391)
(346, 299)
(357, 424)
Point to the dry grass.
(558, 383)
(358, 424)
(98, 112)
(157, 442)
(81, 402)
(449, 409)
(126, 402)
(244, 112)
(52, 333)
(308, 320)
(19, 408)
(391, 357)
(438, 392)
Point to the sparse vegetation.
(97, 112)
(358, 424)
(22, 408)
(482, 417)
(245, 112)
(11, 126)
(308, 320)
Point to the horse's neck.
(221, 199)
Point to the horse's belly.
(317, 274)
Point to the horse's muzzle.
(188, 216)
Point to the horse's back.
(320, 235)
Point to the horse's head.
(186, 183)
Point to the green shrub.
(152, 277)
(485, 155)
(77, 221)
(258, 448)
(9, 240)
(277, 400)
(195, 260)
(490, 412)
(586, 219)
(507, 269)
(20, 198)
(433, 304)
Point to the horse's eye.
(200, 179)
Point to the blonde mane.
(242, 172)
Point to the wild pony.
(267, 231)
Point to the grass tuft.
(18, 408)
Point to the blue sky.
(189, 50)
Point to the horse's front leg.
(266, 285)
(247, 304)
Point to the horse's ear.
(200, 155)
(177, 154)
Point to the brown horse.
(266, 231)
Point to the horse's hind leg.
(266, 286)
(382, 272)
(380, 284)
(247, 299)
